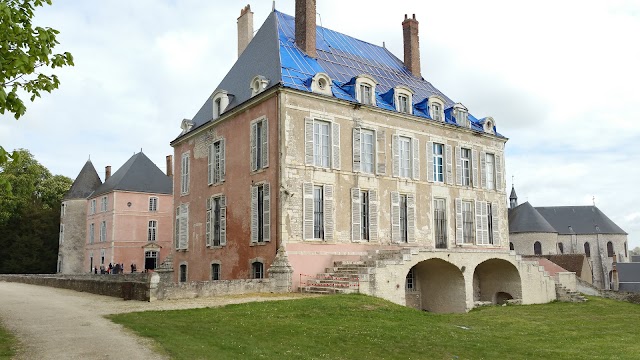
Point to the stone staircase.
(565, 295)
(343, 278)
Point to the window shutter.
(495, 224)
(266, 215)
(356, 215)
(479, 232)
(265, 143)
(474, 167)
(411, 218)
(210, 165)
(373, 215)
(254, 147)
(184, 226)
(308, 141)
(381, 148)
(497, 159)
(449, 161)
(459, 233)
(254, 214)
(430, 174)
(335, 139)
(223, 220)
(395, 216)
(483, 170)
(307, 204)
(177, 228)
(485, 221)
(208, 222)
(416, 158)
(328, 212)
(396, 155)
(223, 169)
(458, 166)
(356, 149)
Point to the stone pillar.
(281, 272)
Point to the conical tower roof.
(525, 218)
(85, 183)
(513, 193)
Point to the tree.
(635, 251)
(25, 53)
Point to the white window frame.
(152, 230)
(319, 156)
(444, 227)
(257, 274)
(181, 240)
(258, 84)
(153, 203)
(466, 166)
(260, 213)
(403, 97)
(185, 169)
(259, 143)
(405, 164)
(310, 225)
(363, 153)
(103, 231)
(61, 239)
(92, 233)
(443, 165)
(63, 207)
(92, 207)
(468, 231)
(104, 204)
(321, 84)
(216, 162)
(436, 108)
(220, 101)
(461, 113)
(366, 82)
(490, 171)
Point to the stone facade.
(72, 236)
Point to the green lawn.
(7, 344)
(362, 327)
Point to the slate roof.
(628, 272)
(138, 174)
(85, 183)
(513, 193)
(525, 219)
(273, 54)
(582, 219)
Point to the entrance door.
(150, 260)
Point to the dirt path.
(64, 324)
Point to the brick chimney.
(306, 26)
(107, 172)
(411, 45)
(169, 165)
(245, 28)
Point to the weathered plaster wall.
(523, 243)
(71, 250)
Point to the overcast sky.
(559, 77)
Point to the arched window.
(537, 248)
(625, 250)
(587, 249)
(610, 249)
(183, 273)
(257, 269)
(511, 246)
(561, 247)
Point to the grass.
(362, 327)
(8, 344)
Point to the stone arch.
(440, 285)
(537, 248)
(496, 280)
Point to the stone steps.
(343, 278)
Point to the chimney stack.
(169, 165)
(245, 28)
(306, 26)
(107, 172)
(411, 45)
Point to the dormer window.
(366, 90)
(488, 125)
(461, 114)
(436, 108)
(220, 103)
(403, 99)
(186, 125)
(258, 84)
(321, 84)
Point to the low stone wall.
(568, 280)
(128, 287)
(621, 296)
(171, 291)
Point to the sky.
(560, 78)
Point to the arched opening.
(626, 253)
(537, 248)
(561, 248)
(610, 249)
(439, 286)
(511, 246)
(587, 249)
(496, 281)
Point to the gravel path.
(55, 323)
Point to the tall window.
(404, 147)
(259, 144)
(103, 204)
(465, 157)
(216, 162)
(490, 222)
(610, 249)
(467, 222)
(366, 94)
(364, 213)
(62, 209)
(184, 174)
(260, 213)
(215, 271)
(153, 229)
(183, 272)
(318, 212)
(61, 233)
(537, 248)
(92, 209)
(440, 223)
(403, 218)
(561, 247)
(436, 111)
(367, 150)
(438, 162)
(403, 104)
(321, 144)
(103, 231)
(153, 204)
(218, 107)
(216, 222)
(410, 283)
(257, 270)
(587, 249)
(150, 260)
(102, 256)
(92, 233)
(490, 171)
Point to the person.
(102, 269)
(121, 268)
(109, 268)
(95, 270)
(116, 269)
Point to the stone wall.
(188, 290)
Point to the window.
(184, 172)
(183, 273)
(92, 232)
(438, 162)
(103, 204)
(561, 248)
(103, 231)
(259, 144)
(321, 83)
(61, 239)
(182, 227)
(102, 256)
(318, 212)
(490, 171)
(403, 218)
(258, 84)
(220, 103)
(364, 212)
(260, 213)
(92, 209)
(217, 108)
(367, 150)
(461, 114)
(626, 252)
(257, 270)
(150, 260)
(321, 143)
(153, 229)
(610, 249)
(216, 221)
(537, 248)
(404, 145)
(489, 215)
(587, 249)
(216, 162)
(511, 246)
(215, 271)
(410, 284)
(467, 222)
(153, 204)
(440, 223)
(436, 111)
(465, 159)
(62, 209)
(403, 104)
(366, 94)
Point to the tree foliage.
(30, 199)
(26, 53)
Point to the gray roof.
(524, 219)
(85, 183)
(582, 219)
(513, 193)
(138, 174)
(628, 272)
(635, 258)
